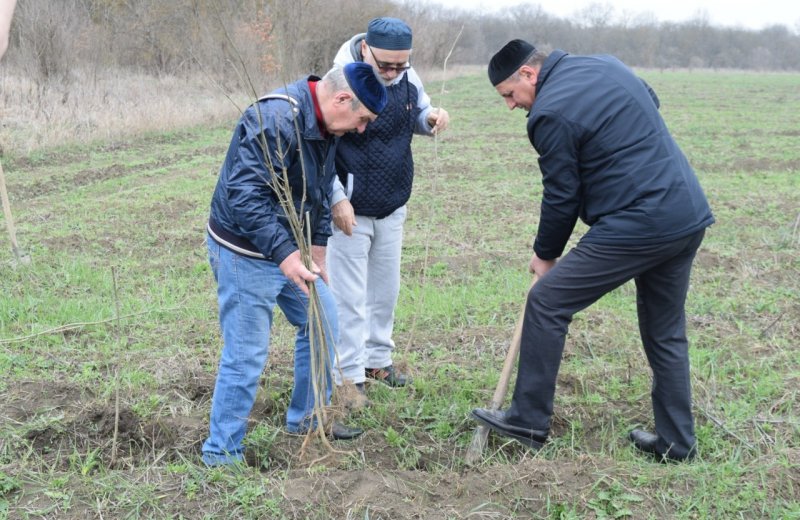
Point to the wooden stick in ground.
(479, 437)
(12, 233)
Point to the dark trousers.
(579, 279)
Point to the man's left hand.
(438, 118)
(318, 257)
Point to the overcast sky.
(753, 14)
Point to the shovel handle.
(12, 234)
(508, 367)
(510, 361)
(479, 438)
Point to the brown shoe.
(388, 376)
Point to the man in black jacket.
(607, 157)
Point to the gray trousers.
(364, 273)
(580, 278)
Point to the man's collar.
(312, 87)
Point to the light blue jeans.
(247, 291)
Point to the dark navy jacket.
(607, 157)
(376, 168)
(246, 215)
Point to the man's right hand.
(344, 217)
(292, 268)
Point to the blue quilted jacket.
(376, 168)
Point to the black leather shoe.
(388, 376)
(340, 432)
(646, 442)
(497, 421)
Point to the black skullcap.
(387, 33)
(508, 60)
(366, 85)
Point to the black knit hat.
(366, 85)
(509, 59)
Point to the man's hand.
(344, 217)
(318, 259)
(438, 118)
(292, 268)
(539, 267)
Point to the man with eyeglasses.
(375, 171)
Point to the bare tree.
(278, 40)
(47, 38)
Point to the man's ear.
(343, 97)
(528, 73)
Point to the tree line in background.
(283, 39)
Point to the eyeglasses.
(386, 67)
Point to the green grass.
(114, 324)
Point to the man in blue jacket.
(288, 138)
(607, 158)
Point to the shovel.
(12, 234)
(479, 437)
